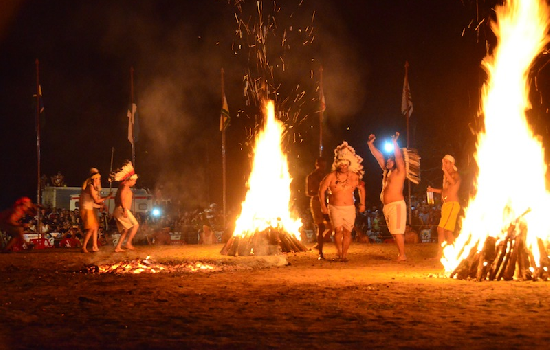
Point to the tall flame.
(268, 198)
(512, 170)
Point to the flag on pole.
(131, 123)
(406, 99)
(225, 119)
(135, 132)
(41, 106)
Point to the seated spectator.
(206, 235)
(70, 242)
(160, 237)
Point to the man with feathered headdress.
(451, 205)
(123, 202)
(393, 179)
(342, 182)
(90, 200)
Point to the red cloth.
(69, 243)
(41, 243)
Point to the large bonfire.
(505, 230)
(265, 224)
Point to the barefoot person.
(451, 206)
(10, 221)
(126, 222)
(393, 179)
(342, 182)
(90, 200)
(313, 181)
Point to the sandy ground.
(291, 301)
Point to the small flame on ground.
(268, 198)
(512, 169)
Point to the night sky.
(177, 50)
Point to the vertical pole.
(106, 216)
(38, 184)
(408, 137)
(132, 112)
(110, 182)
(321, 111)
(224, 182)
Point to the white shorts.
(342, 216)
(124, 223)
(396, 217)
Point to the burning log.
(507, 258)
(149, 266)
(262, 243)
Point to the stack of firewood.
(506, 258)
(270, 241)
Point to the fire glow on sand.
(505, 230)
(147, 265)
(265, 220)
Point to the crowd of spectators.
(62, 227)
(206, 225)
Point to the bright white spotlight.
(388, 147)
(155, 212)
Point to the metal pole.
(106, 216)
(321, 110)
(132, 112)
(224, 182)
(110, 181)
(38, 185)
(408, 137)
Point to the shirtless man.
(313, 182)
(341, 183)
(10, 221)
(451, 206)
(125, 220)
(90, 200)
(395, 208)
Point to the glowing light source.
(156, 212)
(388, 147)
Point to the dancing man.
(126, 222)
(90, 200)
(10, 221)
(393, 179)
(342, 182)
(451, 206)
(313, 182)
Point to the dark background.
(177, 49)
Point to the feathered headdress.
(124, 173)
(94, 173)
(345, 151)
